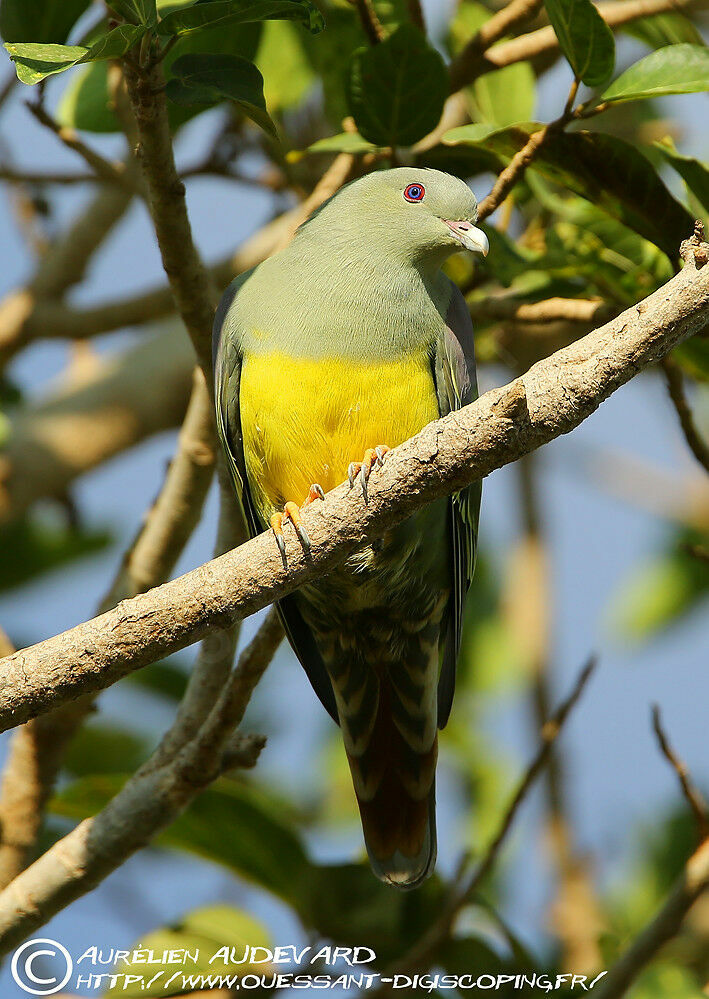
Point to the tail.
(388, 717)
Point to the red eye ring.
(414, 192)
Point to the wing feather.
(456, 386)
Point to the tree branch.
(691, 793)
(552, 398)
(191, 286)
(469, 62)
(147, 803)
(692, 883)
(675, 387)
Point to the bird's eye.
(414, 192)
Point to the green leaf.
(222, 12)
(675, 69)
(209, 79)
(288, 76)
(345, 142)
(103, 749)
(202, 933)
(166, 678)
(607, 171)
(36, 62)
(32, 546)
(39, 20)
(230, 824)
(397, 89)
(693, 172)
(136, 11)
(584, 38)
(505, 96)
(664, 29)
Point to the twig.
(16, 176)
(147, 803)
(552, 398)
(425, 948)
(697, 551)
(416, 14)
(112, 173)
(689, 790)
(371, 24)
(675, 387)
(469, 61)
(692, 883)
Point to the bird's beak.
(469, 235)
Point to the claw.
(291, 511)
(373, 458)
(277, 528)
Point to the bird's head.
(414, 212)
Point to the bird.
(329, 353)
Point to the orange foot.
(291, 511)
(373, 458)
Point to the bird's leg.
(373, 458)
(291, 511)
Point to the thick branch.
(147, 804)
(552, 398)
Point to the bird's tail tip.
(413, 857)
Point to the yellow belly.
(304, 420)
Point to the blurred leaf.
(104, 748)
(665, 978)
(662, 592)
(36, 62)
(209, 79)
(664, 29)
(469, 956)
(391, 13)
(693, 355)
(31, 546)
(676, 69)
(230, 824)
(165, 678)
(136, 11)
(397, 89)
(85, 103)
(39, 20)
(506, 96)
(694, 173)
(608, 171)
(205, 931)
(330, 56)
(345, 142)
(585, 39)
(287, 74)
(478, 132)
(211, 13)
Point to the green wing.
(456, 386)
(227, 361)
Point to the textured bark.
(552, 398)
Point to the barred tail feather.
(388, 719)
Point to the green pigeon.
(337, 348)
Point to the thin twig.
(371, 24)
(675, 387)
(469, 61)
(689, 790)
(106, 170)
(692, 883)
